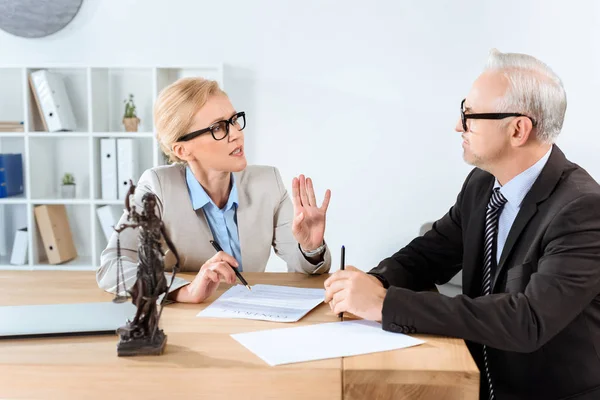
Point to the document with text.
(335, 339)
(265, 302)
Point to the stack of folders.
(11, 126)
(118, 165)
(11, 175)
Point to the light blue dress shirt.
(222, 221)
(515, 191)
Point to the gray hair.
(534, 90)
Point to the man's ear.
(181, 151)
(521, 130)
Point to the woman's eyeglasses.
(220, 129)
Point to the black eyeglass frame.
(464, 117)
(231, 121)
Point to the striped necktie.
(494, 208)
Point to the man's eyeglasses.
(464, 117)
(220, 129)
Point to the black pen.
(237, 273)
(343, 267)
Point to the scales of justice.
(141, 336)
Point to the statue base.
(141, 346)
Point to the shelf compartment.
(78, 217)
(143, 150)
(111, 87)
(51, 158)
(13, 217)
(76, 85)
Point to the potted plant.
(68, 186)
(130, 119)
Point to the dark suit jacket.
(542, 320)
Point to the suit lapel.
(201, 232)
(541, 189)
(473, 256)
(527, 211)
(207, 235)
(243, 222)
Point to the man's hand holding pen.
(356, 292)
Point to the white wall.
(362, 96)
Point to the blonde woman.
(209, 193)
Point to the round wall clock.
(36, 18)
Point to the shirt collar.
(199, 196)
(517, 188)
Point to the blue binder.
(11, 175)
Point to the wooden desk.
(202, 361)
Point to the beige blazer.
(264, 219)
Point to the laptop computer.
(64, 319)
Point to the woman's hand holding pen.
(356, 292)
(217, 268)
(308, 226)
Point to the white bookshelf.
(96, 95)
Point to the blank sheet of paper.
(320, 341)
(265, 302)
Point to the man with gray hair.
(525, 231)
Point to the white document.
(108, 168)
(19, 250)
(54, 101)
(321, 341)
(265, 302)
(108, 217)
(127, 162)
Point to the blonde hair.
(175, 109)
